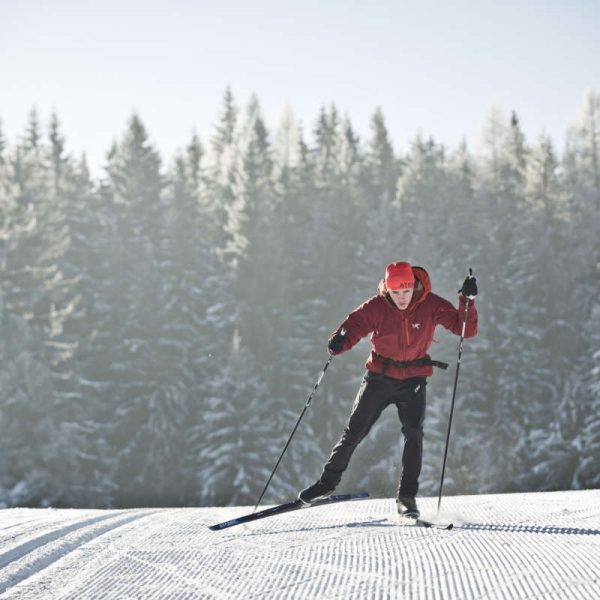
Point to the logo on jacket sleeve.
(415, 325)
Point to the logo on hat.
(399, 275)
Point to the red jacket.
(405, 335)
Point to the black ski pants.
(376, 393)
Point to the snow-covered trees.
(583, 171)
(161, 328)
(39, 305)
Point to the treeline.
(160, 328)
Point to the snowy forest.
(161, 326)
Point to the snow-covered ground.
(544, 545)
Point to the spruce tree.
(39, 303)
(583, 151)
(378, 191)
(147, 394)
(300, 346)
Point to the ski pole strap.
(419, 362)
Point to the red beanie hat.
(399, 275)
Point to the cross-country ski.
(285, 508)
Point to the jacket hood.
(422, 288)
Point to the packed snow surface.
(544, 545)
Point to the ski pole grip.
(469, 276)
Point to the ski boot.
(314, 492)
(407, 507)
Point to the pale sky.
(434, 67)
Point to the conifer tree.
(90, 411)
(222, 161)
(250, 223)
(224, 134)
(381, 220)
(583, 174)
(378, 191)
(542, 328)
(143, 369)
(190, 273)
(253, 258)
(504, 197)
(38, 304)
(80, 460)
(300, 345)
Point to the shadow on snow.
(499, 527)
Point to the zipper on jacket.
(404, 339)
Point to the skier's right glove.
(336, 343)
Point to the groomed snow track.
(544, 545)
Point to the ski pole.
(460, 345)
(308, 401)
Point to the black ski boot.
(407, 507)
(315, 492)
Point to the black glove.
(469, 287)
(336, 343)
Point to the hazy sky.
(431, 66)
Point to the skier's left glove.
(469, 287)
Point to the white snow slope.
(544, 545)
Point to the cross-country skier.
(401, 319)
